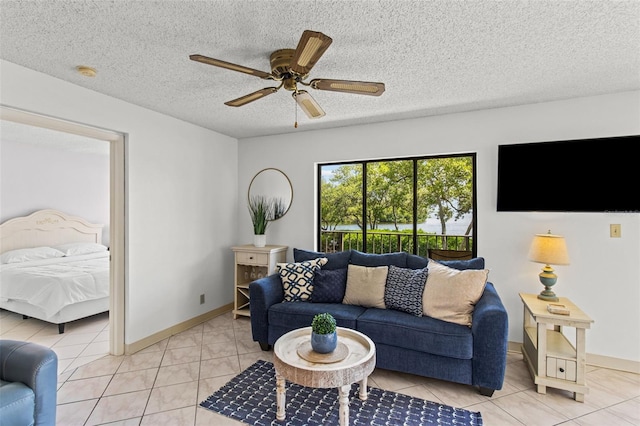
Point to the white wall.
(180, 219)
(35, 177)
(604, 275)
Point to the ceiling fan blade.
(230, 66)
(251, 97)
(308, 104)
(310, 48)
(359, 87)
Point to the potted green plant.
(324, 338)
(260, 210)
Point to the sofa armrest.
(262, 294)
(37, 367)
(490, 328)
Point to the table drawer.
(252, 258)
(559, 368)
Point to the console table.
(552, 360)
(252, 263)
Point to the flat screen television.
(582, 175)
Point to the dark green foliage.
(323, 323)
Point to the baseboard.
(597, 360)
(131, 348)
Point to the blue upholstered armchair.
(28, 384)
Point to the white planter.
(260, 240)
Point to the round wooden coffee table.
(324, 372)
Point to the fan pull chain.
(295, 105)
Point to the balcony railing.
(388, 242)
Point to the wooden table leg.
(364, 394)
(281, 396)
(343, 391)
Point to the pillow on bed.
(27, 254)
(76, 249)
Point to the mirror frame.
(285, 181)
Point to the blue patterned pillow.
(297, 278)
(404, 288)
(329, 286)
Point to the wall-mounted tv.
(582, 175)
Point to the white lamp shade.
(549, 249)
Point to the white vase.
(260, 240)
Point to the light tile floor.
(164, 383)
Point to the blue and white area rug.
(251, 398)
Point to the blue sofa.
(28, 384)
(473, 355)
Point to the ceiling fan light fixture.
(291, 67)
(308, 104)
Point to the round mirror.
(274, 186)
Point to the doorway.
(116, 207)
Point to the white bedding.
(52, 284)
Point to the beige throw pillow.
(450, 295)
(365, 286)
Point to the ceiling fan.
(291, 67)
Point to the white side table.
(552, 360)
(251, 263)
(356, 367)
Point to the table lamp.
(548, 249)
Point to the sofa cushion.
(337, 260)
(463, 265)
(297, 278)
(404, 288)
(450, 294)
(368, 259)
(416, 262)
(365, 286)
(300, 314)
(421, 334)
(329, 286)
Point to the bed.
(53, 267)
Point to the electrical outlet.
(202, 299)
(615, 230)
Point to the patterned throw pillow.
(297, 278)
(403, 291)
(329, 286)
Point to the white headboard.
(47, 228)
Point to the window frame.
(415, 160)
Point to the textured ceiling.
(434, 57)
